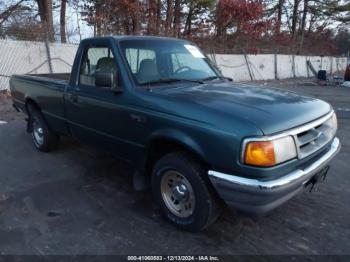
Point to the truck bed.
(60, 76)
(46, 90)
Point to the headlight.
(269, 153)
(334, 124)
(331, 126)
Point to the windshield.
(165, 61)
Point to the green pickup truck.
(197, 138)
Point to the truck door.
(97, 114)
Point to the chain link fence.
(37, 57)
(31, 57)
(249, 67)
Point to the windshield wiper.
(211, 78)
(216, 77)
(170, 80)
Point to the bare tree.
(169, 16)
(63, 21)
(177, 18)
(159, 15)
(151, 21)
(45, 12)
(279, 15)
(10, 10)
(295, 16)
(302, 25)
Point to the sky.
(72, 19)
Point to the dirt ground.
(78, 200)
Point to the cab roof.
(135, 37)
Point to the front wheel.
(43, 138)
(182, 189)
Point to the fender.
(29, 104)
(141, 177)
(179, 137)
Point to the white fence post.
(293, 66)
(275, 64)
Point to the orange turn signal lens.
(260, 154)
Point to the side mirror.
(108, 80)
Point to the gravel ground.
(77, 200)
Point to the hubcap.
(38, 133)
(177, 194)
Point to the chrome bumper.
(261, 196)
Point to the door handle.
(74, 98)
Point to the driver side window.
(96, 59)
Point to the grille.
(316, 136)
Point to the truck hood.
(270, 109)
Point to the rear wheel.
(182, 189)
(43, 138)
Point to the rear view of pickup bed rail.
(199, 139)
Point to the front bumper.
(260, 196)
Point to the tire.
(189, 200)
(43, 138)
